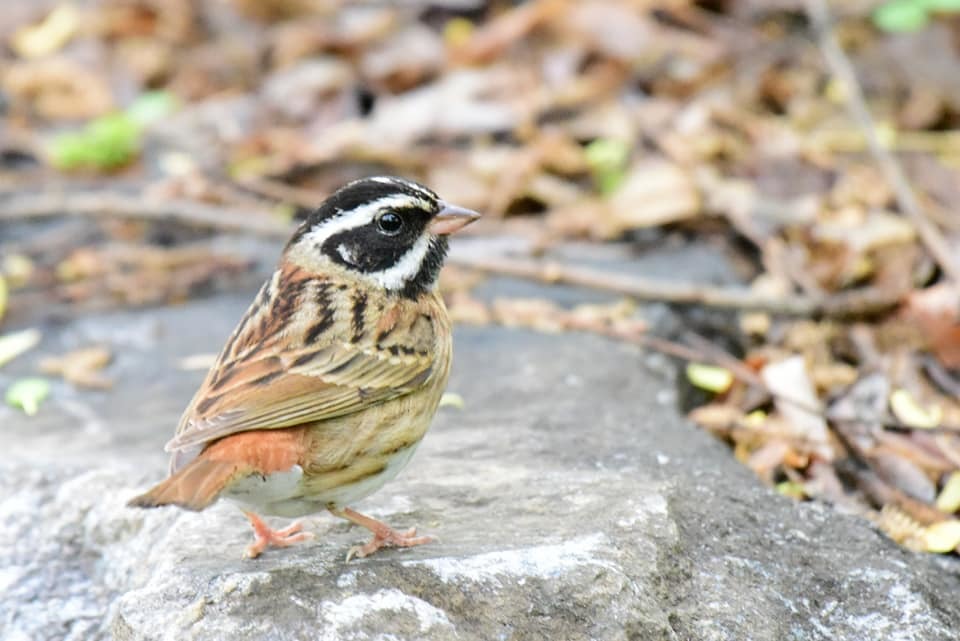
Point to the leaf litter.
(564, 121)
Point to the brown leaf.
(490, 40)
(57, 88)
(534, 313)
(654, 192)
(936, 313)
(765, 459)
(720, 419)
(464, 308)
(904, 475)
(796, 399)
(81, 367)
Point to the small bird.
(332, 377)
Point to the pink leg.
(383, 534)
(268, 537)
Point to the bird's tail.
(195, 486)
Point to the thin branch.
(840, 66)
(862, 303)
(262, 221)
(45, 205)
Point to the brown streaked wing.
(286, 382)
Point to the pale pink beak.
(451, 219)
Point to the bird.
(332, 377)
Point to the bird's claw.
(390, 538)
(267, 537)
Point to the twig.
(819, 14)
(881, 493)
(731, 363)
(853, 304)
(45, 205)
(281, 192)
(862, 303)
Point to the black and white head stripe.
(378, 227)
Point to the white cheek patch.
(393, 278)
(346, 254)
(403, 271)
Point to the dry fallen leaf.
(489, 41)
(796, 399)
(452, 399)
(901, 527)
(765, 459)
(948, 500)
(467, 309)
(935, 311)
(16, 343)
(534, 313)
(47, 36)
(709, 377)
(57, 88)
(80, 367)
(941, 537)
(197, 362)
(3, 296)
(909, 412)
(903, 474)
(720, 419)
(653, 192)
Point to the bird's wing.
(314, 351)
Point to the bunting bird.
(332, 376)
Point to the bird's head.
(388, 231)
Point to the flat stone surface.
(570, 499)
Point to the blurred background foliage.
(815, 145)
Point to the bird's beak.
(451, 219)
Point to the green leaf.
(709, 377)
(900, 16)
(27, 394)
(942, 6)
(792, 489)
(607, 159)
(106, 143)
(152, 106)
(111, 141)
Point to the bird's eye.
(390, 224)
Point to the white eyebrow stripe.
(406, 184)
(357, 217)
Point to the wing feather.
(278, 371)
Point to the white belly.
(284, 494)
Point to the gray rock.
(570, 499)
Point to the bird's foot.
(390, 538)
(383, 534)
(268, 537)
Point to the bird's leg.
(268, 537)
(383, 534)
